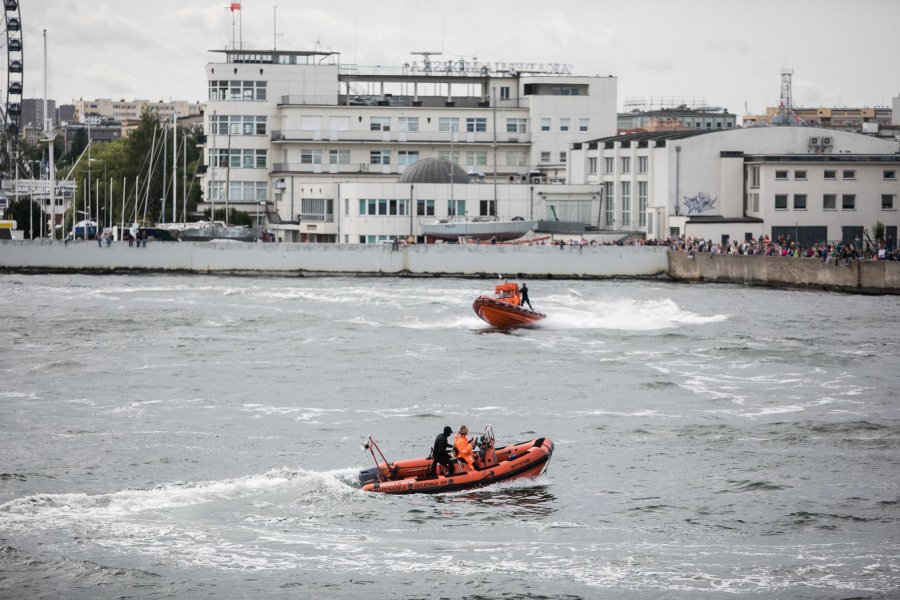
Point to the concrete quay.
(449, 260)
(860, 277)
(471, 260)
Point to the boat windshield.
(507, 291)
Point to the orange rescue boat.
(504, 310)
(492, 465)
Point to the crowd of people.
(829, 253)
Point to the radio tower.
(785, 113)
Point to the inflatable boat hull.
(524, 460)
(504, 315)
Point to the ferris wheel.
(12, 107)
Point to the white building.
(802, 182)
(311, 142)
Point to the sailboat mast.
(174, 165)
(48, 131)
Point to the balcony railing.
(409, 137)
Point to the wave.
(625, 314)
(40, 508)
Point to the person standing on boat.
(463, 447)
(441, 452)
(523, 291)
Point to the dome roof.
(433, 170)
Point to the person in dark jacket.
(440, 454)
(523, 291)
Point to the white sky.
(725, 52)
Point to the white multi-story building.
(809, 184)
(312, 141)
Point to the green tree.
(878, 231)
(21, 211)
(136, 160)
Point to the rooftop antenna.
(426, 60)
(275, 33)
(234, 7)
(786, 114)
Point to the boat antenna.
(371, 446)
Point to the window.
(799, 201)
(583, 124)
(237, 125)
(642, 203)
(368, 207)
(565, 91)
(780, 175)
(829, 202)
(848, 202)
(564, 124)
(456, 208)
(545, 124)
(407, 157)
(379, 123)
(237, 90)
(830, 174)
(890, 175)
(562, 158)
(487, 208)
(754, 176)
(887, 202)
(504, 93)
(545, 157)
(339, 157)
(516, 159)
(780, 201)
(376, 239)
(626, 164)
(410, 124)
(592, 166)
(476, 158)
(396, 208)
(800, 175)
(754, 202)
(610, 203)
(448, 124)
(310, 157)
(317, 209)
(516, 125)
(476, 124)
(609, 164)
(643, 163)
(239, 191)
(626, 203)
(379, 157)
(425, 208)
(451, 156)
(848, 174)
(237, 158)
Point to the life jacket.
(463, 449)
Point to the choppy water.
(198, 437)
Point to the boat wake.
(625, 314)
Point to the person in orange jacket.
(463, 447)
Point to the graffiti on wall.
(699, 203)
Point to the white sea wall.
(470, 260)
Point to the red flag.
(235, 6)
